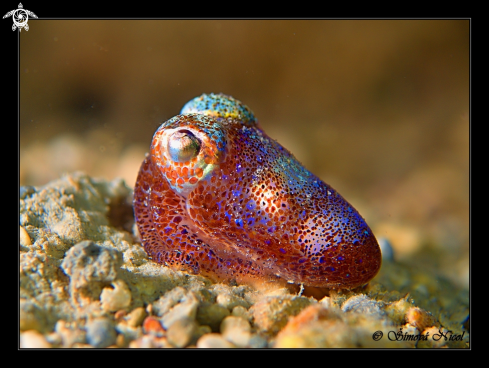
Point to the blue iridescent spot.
(168, 229)
(322, 260)
(282, 250)
(264, 220)
(250, 205)
(239, 222)
(330, 269)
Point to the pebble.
(212, 315)
(54, 339)
(121, 341)
(152, 326)
(186, 308)
(386, 249)
(150, 342)
(214, 341)
(127, 333)
(419, 318)
(230, 301)
(240, 311)
(170, 299)
(181, 332)
(236, 330)
(33, 340)
(24, 238)
(180, 311)
(101, 332)
(202, 330)
(258, 342)
(136, 317)
(119, 315)
(116, 298)
(70, 333)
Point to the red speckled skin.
(245, 209)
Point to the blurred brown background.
(379, 109)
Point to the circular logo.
(20, 18)
(377, 335)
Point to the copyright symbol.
(377, 335)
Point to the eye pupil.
(183, 146)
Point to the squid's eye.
(183, 146)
